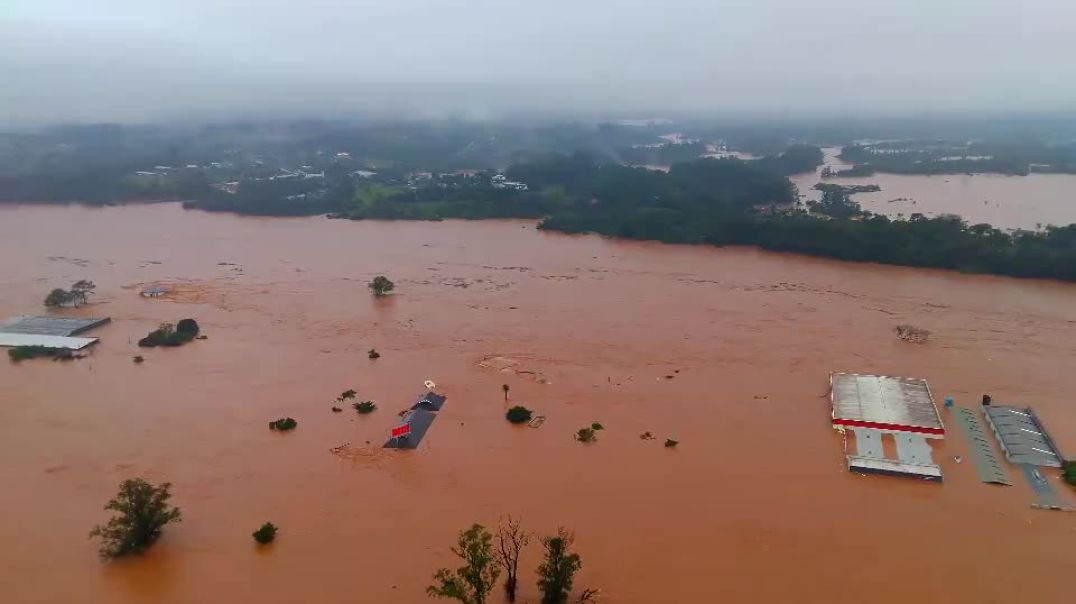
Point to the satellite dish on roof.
(430, 385)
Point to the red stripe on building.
(859, 423)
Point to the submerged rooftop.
(49, 325)
(882, 402)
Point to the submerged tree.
(81, 290)
(511, 539)
(557, 570)
(265, 534)
(57, 297)
(381, 285)
(142, 512)
(518, 414)
(506, 389)
(472, 582)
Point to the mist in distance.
(147, 60)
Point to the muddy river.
(1009, 202)
(726, 350)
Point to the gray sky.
(139, 60)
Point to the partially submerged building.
(48, 331)
(1022, 436)
(873, 407)
(415, 421)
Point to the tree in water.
(557, 571)
(506, 389)
(57, 297)
(143, 511)
(511, 539)
(472, 582)
(381, 285)
(81, 290)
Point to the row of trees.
(142, 510)
(77, 295)
(483, 559)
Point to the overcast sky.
(140, 60)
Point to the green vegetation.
(835, 203)
(77, 295)
(21, 353)
(518, 415)
(364, 407)
(670, 443)
(586, 435)
(472, 582)
(266, 534)
(346, 395)
(283, 424)
(557, 571)
(373, 354)
(142, 511)
(381, 285)
(171, 335)
(959, 157)
(793, 160)
(1068, 472)
(596, 426)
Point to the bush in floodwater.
(138, 359)
(670, 443)
(283, 424)
(1069, 472)
(518, 414)
(596, 426)
(585, 435)
(381, 285)
(364, 407)
(373, 354)
(171, 335)
(265, 534)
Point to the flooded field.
(1010, 202)
(726, 350)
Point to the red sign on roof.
(401, 430)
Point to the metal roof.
(1022, 436)
(884, 403)
(50, 325)
(30, 339)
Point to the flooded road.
(1008, 202)
(726, 350)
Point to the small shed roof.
(50, 325)
(884, 403)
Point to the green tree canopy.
(142, 511)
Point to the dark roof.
(431, 401)
(420, 421)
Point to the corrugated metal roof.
(1022, 437)
(50, 325)
(30, 339)
(884, 402)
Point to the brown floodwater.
(755, 505)
(1007, 202)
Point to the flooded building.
(873, 407)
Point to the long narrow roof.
(30, 339)
(885, 403)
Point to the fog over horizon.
(148, 60)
